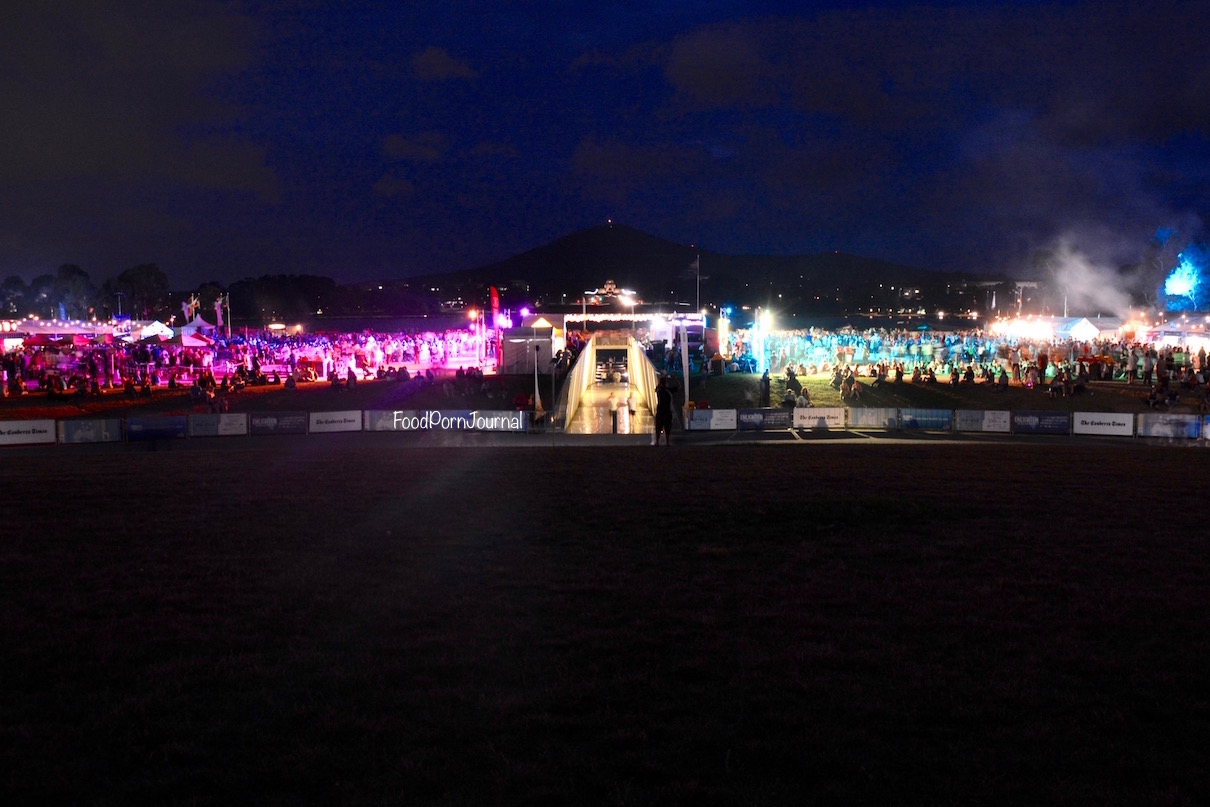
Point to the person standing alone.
(663, 412)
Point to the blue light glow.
(1183, 289)
(1182, 281)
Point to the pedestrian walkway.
(592, 416)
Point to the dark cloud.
(391, 186)
(490, 150)
(110, 127)
(226, 141)
(436, 64)
(723, 66)
(114, 91)
(424, 147)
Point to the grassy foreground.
(320, 620)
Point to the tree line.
(143, 292)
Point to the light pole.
(477, 331)
(630, 301)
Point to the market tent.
(143, 331)
(197, 325)
(46, 340)
(180, 340)
(1086, 330)
(196, 339)
(86, 340)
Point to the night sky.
(381, 140)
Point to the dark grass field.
(315, 620)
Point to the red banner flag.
(496, 324)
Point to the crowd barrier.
(259, 424)
(1147, 424)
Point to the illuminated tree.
(1184, 288)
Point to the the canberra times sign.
(414, 420)
(1102, 423)
(25, 432)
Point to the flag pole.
(698, 263)
(685, 375)
(538, 409)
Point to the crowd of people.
(243, 360)
(924, 356)
(850, 359)
(814, 351)
(1059, 367)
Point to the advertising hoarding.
(983, 420)
(873, 418)
(1165, 424)
(928, 419)
(326, 422)
(26, 432)
(819, 417)
(108, 430)
(1041, 423)
(1106, 424)
(262, 423)
(230, 424)
(712, 420)
(160, 427)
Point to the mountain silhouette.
(662, 271)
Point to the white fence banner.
(820, 417)
(388, 420)
(1108, 424)
(230, 424)
(874, 418)
(348, 421)
(983, 420)
(712, 420)
(107, 430)
(26, 432)
(1165, 424)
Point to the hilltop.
(662, 271)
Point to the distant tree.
(42, 299)
(1158, 256)
(75, 291)
(144, 290)
(1005, 297)
(13, 296)
(280, 297)
(207, 293)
